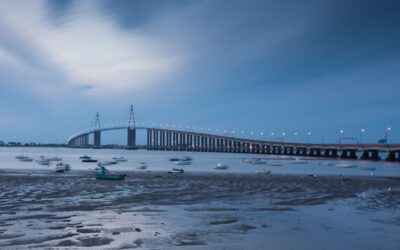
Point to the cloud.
(90, 50)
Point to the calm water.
(202, 162)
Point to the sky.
(260, 67)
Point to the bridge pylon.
(97, 133)
(131, 138)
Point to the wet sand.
(155, 210)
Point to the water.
(202, 162)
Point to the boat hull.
(119, 177)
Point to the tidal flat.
(154, 210)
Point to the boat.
(258, 161)
(62, 167)
(142, 166)
(176, 171)
(103, 174)
(220, 166)
(346, 165)
(26, 159)
(263, 171)
(276, 164)
(183, 162)
(174, 159)
(326, 164)
(84, 157)
(54, 158)
(299, 161)
(43, 161)
(119, 159)
(368, 168)
(88, 159)
(106, 163)
(19, 157)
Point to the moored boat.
(258, 161)
(220, 166)
(103, 174)
(62, 167)
(176, 171)
(119, 159)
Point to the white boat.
(120, 159)
(220, 166)
(263, 171)
(62, 167)
(258, 161)
(26, 159)
(106, 163)
(276, 164)
(346, 165)
(142, 166)
(324, 163)
(299, 161)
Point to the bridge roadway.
(175, 140)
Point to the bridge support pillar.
(371, 155)
(348, 154)
(393, 156)
(131, 144)
(97, 139)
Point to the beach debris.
(264, 225)
(223, 221)
(368, 168)
(390, 189)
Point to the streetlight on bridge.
(361, 135)
(340, 136)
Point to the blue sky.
(257, 66)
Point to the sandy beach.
(155, 210)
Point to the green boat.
(103, 174)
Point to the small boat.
(263, 171)
(174, 159)
(25, 159)
(368, 168)
(176, 171)
(142, 166)
(276, 164)
(103, 174)
(220, 166)
(89, 159)
(44, 162)
(106, 163)
(258, 161)
(54, 158)
(62, 167)
(19, 157)
(326, 164)
(84, 157)
(120, 159)
(299, 161)
(346, 165)
(183, 162)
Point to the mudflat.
(155, 210)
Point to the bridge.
(180, 140)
